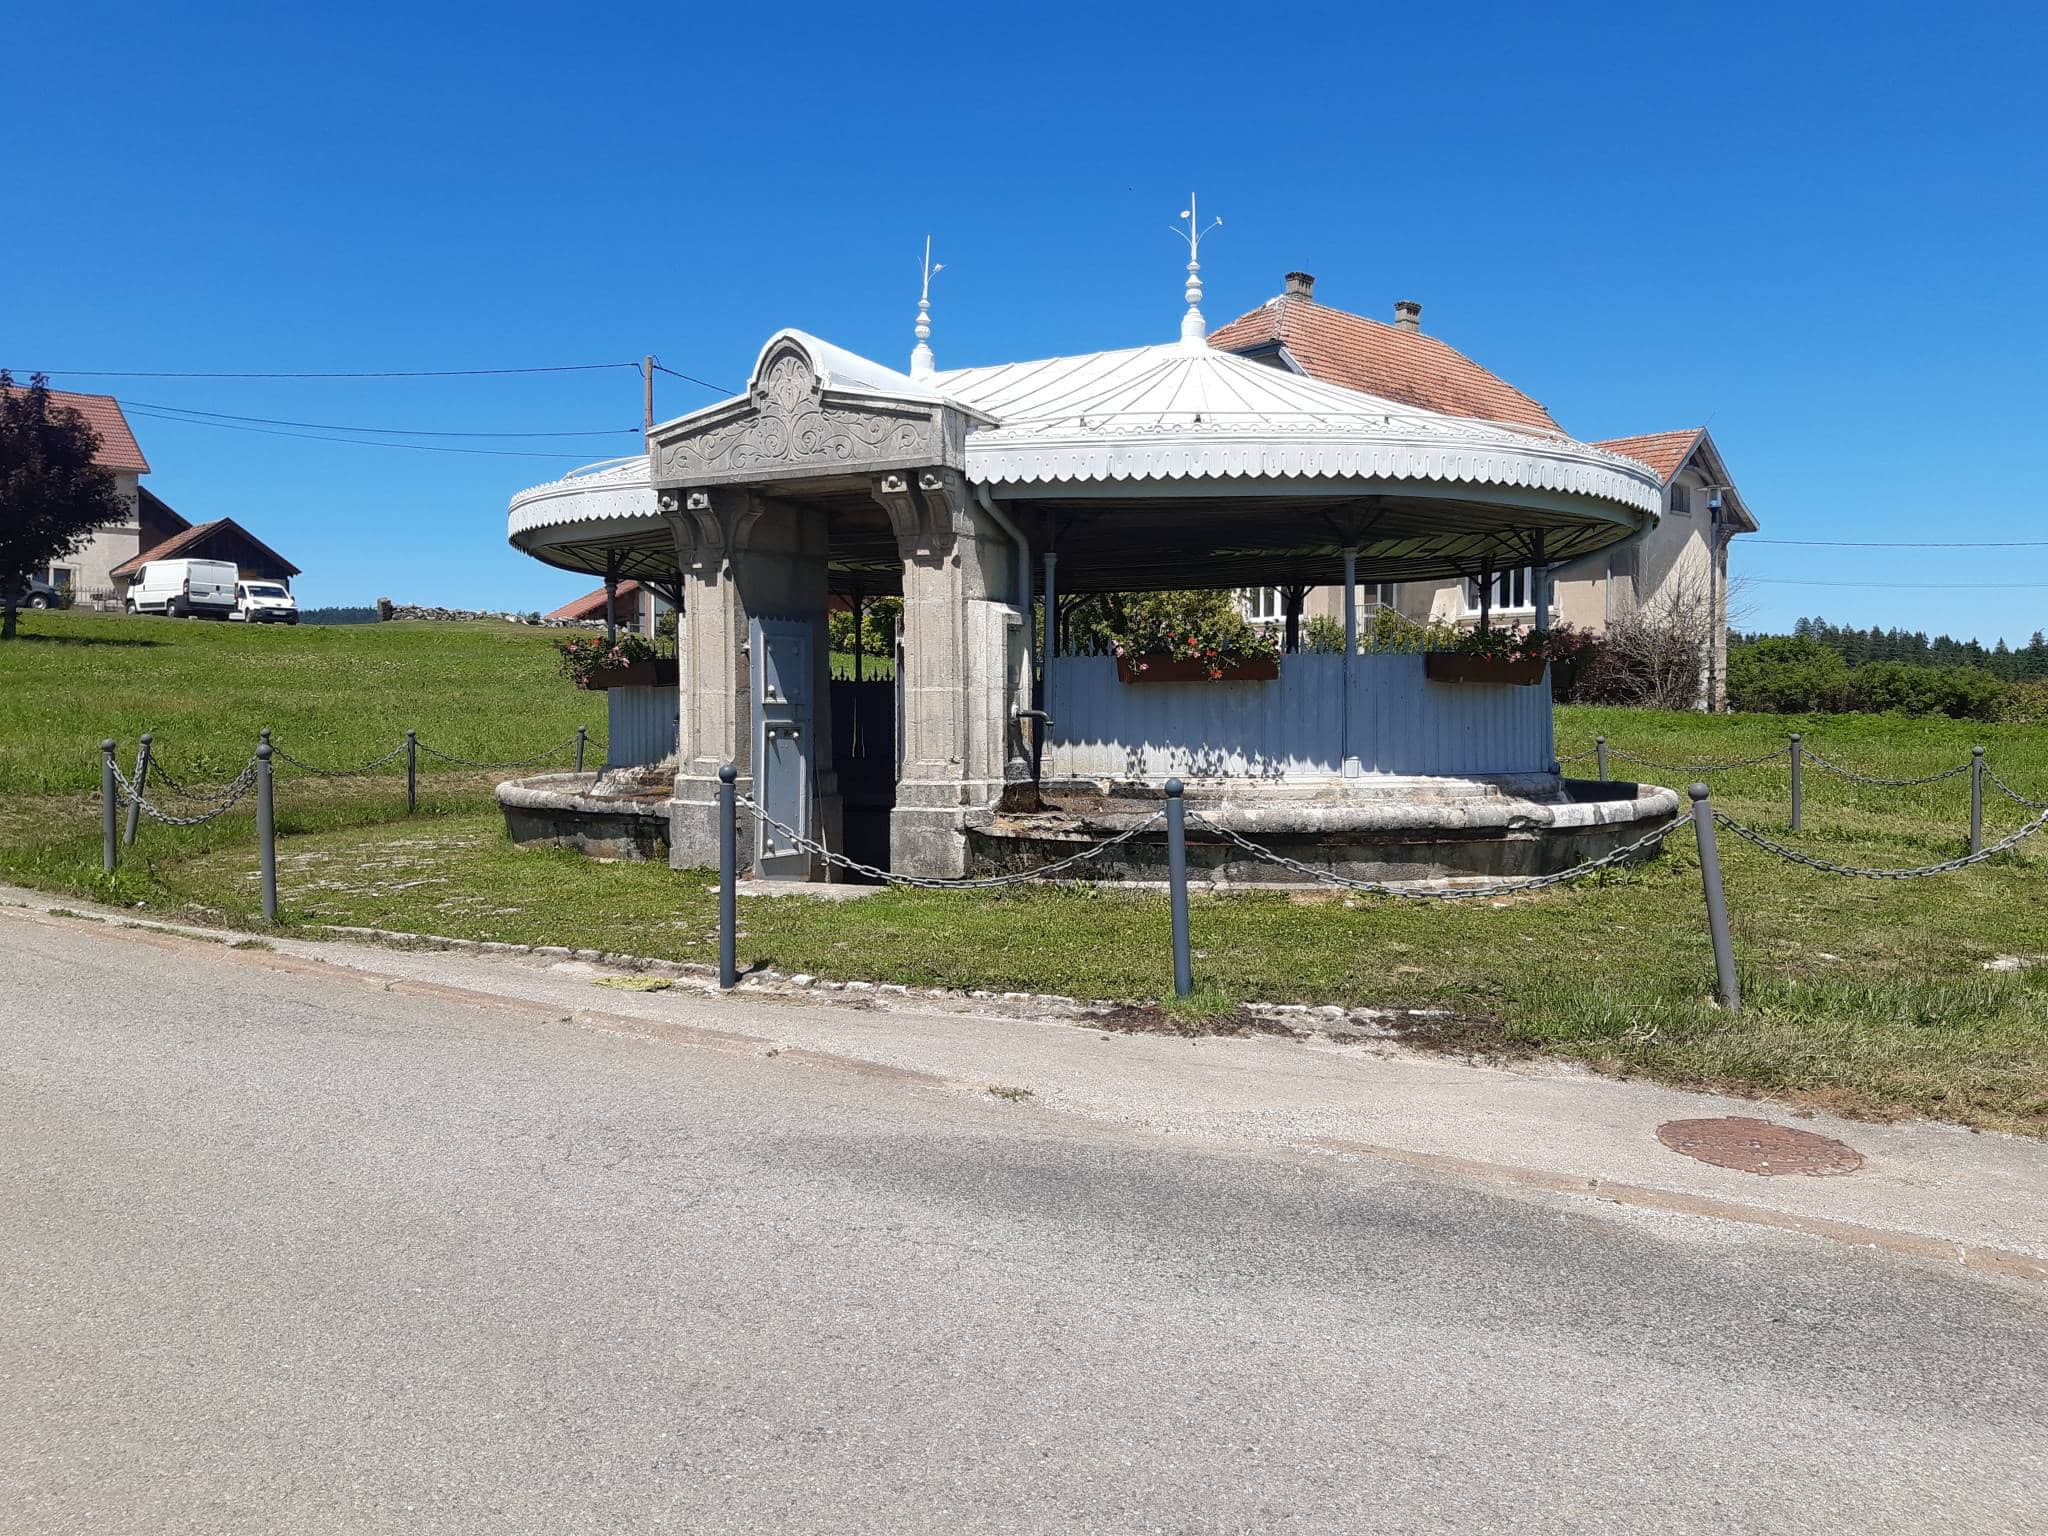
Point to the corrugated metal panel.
(1293, 728)
(642, 725)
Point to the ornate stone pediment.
(795, 423)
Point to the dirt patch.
(1151, 1019)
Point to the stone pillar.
(742, 556)
(965, 666)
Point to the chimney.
(1407, 315)
(1300, 285)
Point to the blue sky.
(1820, 231)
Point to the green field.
(1873, 997)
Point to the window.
(1681, 500)
(1512, 591)
(1377, 594)
(1262, 605)
(61, 577)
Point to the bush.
(877, 627)
(1792, 676)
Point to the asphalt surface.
(282, 1253)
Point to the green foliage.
(877, 635)
(1324, 634)
(1197, 626)
(585, 654)
(1858, 646)
(52, 493)
(1801, 675)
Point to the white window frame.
(1506, 582)
(1378, 594)
(1262, 605)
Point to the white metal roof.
(1186, 411)
(614, 491)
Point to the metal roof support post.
(1539, 574)
(611, 598)
(1350, 752)
(1048, 631)
(1486, 592)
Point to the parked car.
(265, 602)
(183, 589)
(38, 593)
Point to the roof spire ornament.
(921, 354)
(1194, 330)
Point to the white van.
(184, 588)
(265, 602)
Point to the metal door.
(781, 652)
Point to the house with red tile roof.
(637, 609)
(1684, 559)
(100, 572)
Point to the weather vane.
(1193, 327)
(921, 354)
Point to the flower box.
(1450, 667)
(660, 672)
(1189, 669)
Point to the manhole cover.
(1757, 1146)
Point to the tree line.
(1912, 647)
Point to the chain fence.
(1854, 777)
(338, 773)
(1696, 768)
(230, 794)
(944, 883)
(1812, 861)
(558, 750)
(1612, 859)
(2010, 793)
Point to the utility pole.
(647, 393)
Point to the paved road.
(281, 1253)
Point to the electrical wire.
(1909, 586)
(329, 426)
(357, 442)
(1748, 539)
(385, 373)
(716, 389)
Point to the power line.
(356, 442)
(386, 373)
(716, 389)
(1912, 586)
(1905, 543)
(328, 426)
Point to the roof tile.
(118, 448)
(1409, 366)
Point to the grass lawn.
(1869, 996)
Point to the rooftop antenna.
(921, 354)
(1194, 330)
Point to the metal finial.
(921, 354)
(1193, 328)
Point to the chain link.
(2009, 792)
(1745, 762)
(183, 791)
(336, 773)
(937, 883)
(1863, 778)
(524, 762)
(239, 786)
(1609, 860)
(1793, 855)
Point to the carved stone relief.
(788, 426)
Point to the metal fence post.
(1177, 878)
(1600, 751)
(266, 833)
(1976, 799)
(1798, 762)
(141, 785)
(1729, 988)
(582, 734)
(110, 809)
(412, 771)
(728, 877)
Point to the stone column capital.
(928, 508)
(709, 527)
